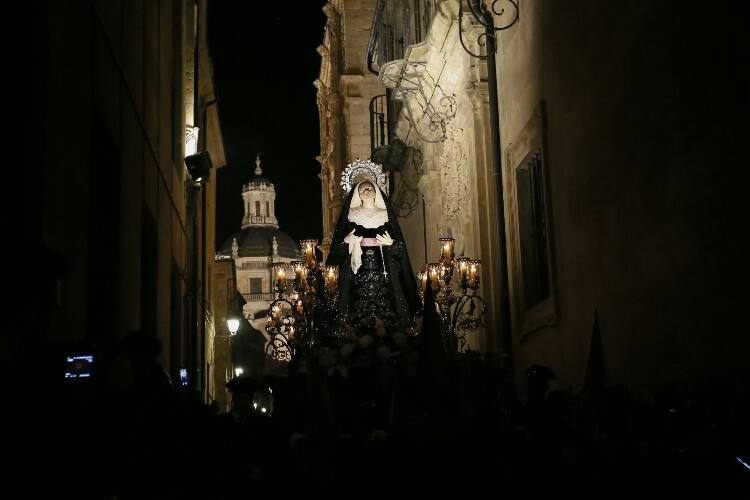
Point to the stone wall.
(455, 195)
(345, 88)
(642, 133)
(224, 277)
(114, 190)
(636, 109)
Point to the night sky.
(265, 62)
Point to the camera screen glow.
(79, 366)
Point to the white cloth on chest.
(355, 250)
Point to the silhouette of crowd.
(131, 432)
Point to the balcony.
(257, 297)
(397, 52)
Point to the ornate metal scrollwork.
(484, 16)
(407, 197)
(303, 312)
(462, 315)
(280, 326)
(428, 106)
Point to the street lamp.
(233, 324)
(199, 166)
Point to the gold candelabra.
(301, 301)
(459, 313)
(291, 317)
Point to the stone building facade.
(616, 172)
(638, 154)
(441, 187)
(119, 101)
(225, 306)
(256, 247)
(455, 175)
(438, 102)
(345, 90)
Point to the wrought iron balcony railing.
(380, 118)
(397, 24)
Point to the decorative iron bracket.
(484, 16)
(413, 84)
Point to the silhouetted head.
(242, 384)
(540, 372)
(538, 380)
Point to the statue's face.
(367, 191)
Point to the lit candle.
(474, 274)
(300, 275)
(433, 269)
(279, 270)
(331, 278)
(446, 251)
(463, 271)
(308, 246)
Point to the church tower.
(257, 246)
(259, 196)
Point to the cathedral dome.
(259, 224)
(258, 242)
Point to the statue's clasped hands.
(384, 239)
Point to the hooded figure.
(376, 281)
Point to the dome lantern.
(259, 197)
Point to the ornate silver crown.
(363, 170)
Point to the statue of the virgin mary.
(375, 277)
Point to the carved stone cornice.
(351, 78)
(354, 99)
